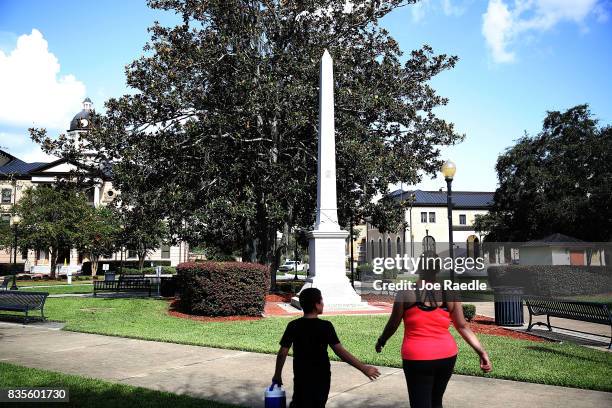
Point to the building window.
(7, 194)
(5, 219)
(389, 249)
(432, 217)
(424, 217)
(462, 219)
(429, 244)
(380, 248)
(132, 254)
(398, 248)
(165, 251)
(372, 249)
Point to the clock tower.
(81, 124)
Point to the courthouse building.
(16, 176)
(426, 225)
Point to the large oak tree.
(558, 181)
(220, 135)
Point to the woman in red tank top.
(429, 350)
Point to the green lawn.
(91, 393)
(547, 363)
(49, 282)
(76, 287)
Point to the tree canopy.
(220, 137)
(50, 219)
(557, 181)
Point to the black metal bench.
(591, 312)
(25, 302)
(125, 283)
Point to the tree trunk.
(141, 259)
(94, 265)
(53, 262)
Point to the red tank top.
(426, 334)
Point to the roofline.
(455, 206)
(397, 192)
(8, 154)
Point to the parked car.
(290, 266)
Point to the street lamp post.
(448, 170)
(15, 227)
(295, 250)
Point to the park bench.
(591, 312)
(25, 302)
(125, 283)
(5, 283)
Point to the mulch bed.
(279, 297)
(486, 325)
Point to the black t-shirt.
(310, 338)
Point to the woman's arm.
(394, 321)
(469, 336)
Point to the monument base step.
(331, 306)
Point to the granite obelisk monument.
(327, 243)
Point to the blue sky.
(518, 59)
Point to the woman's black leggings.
(427, 381)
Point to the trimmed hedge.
(553, 280)
(148, 271)
(469, 311)
(222, 288)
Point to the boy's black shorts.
(311, 393)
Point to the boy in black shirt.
(310, 337)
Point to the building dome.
(82, 120)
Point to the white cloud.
(504, 24)
(452, 8)
(418, 10)
(20, 146)
(32, 92)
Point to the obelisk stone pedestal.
(327, 246)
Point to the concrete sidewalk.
(240, 377)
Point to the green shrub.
(469, 311)
(553, 280)
(389, 274)
(363, 271)
(222, 258)
(289, 286)
(222, 288)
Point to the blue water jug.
(275, 397)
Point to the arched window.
(372, 255)
(380, 248)
(389, 249)
(398, 243)
(473, 247)
(429, 244)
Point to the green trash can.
(167, 287)
(508, 306)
